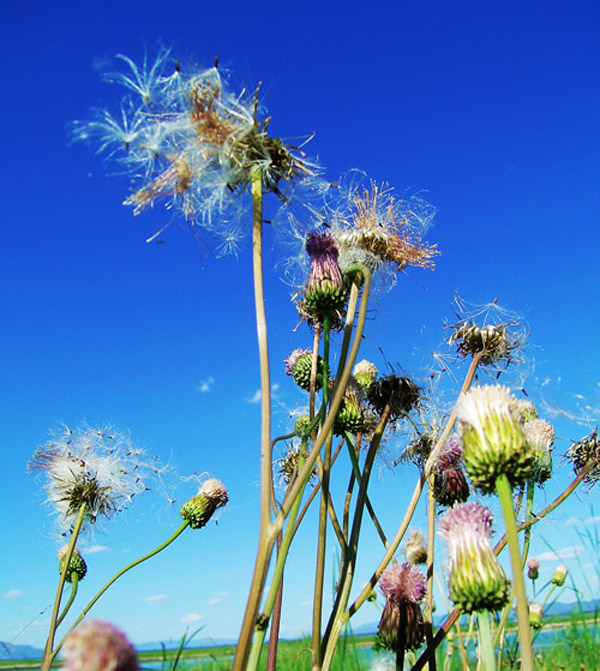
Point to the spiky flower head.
(200, 508)
(540, 437)
(477, 581)
(99, 470)
(415, 550)
(400, 393)
(191, 142)
(560, 575)
(533, 568)
(325, 292)
(536, 613)
(404, 586)
(98, 646)
(449, 482)
(299, 365)
(301, 425)
(584, 453)
(365, 373)
(77, 563)
(288, 466)
(493, 440)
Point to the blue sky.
(489, 110)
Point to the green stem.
(48, 656)
(322, 532)
(431, 517)
(72, 595)
(486, 647)
(87, 609)
(504, 492)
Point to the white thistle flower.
(97, 468)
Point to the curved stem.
(505, 495)
(87, 609)
(48, 656)
(72, 595)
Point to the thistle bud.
(533, 566)
(493, 440)
(301, 425)
(404, 587)
(560, 575)
(365, 373)
(98, 646)
(415, 550)
(325, 290)
(299, 365)
(536, 613)
(477, 581)
(449, 482)
(351, 415)
(540, 436)
(200, 508)
(77, 564)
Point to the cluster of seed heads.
(494, 342)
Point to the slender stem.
(431, 516)
(338, 616)
(87, 609)
(505, 495)
(48, 656)
(267, 535)
(275, 621)
(72, 595)
(486, 647)
(322, 532)
(528, 511)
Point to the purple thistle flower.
(325, 290)
(449, 482)
(401, 623)
(98, 646)
(477, 581)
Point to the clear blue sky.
(489, 108)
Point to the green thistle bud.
(560, 575)
(540, 436)
(524, 411)
(301, 425)
(477, 581)
(536, 613)
(493, 440)
(365, 373)
(299, 365)
(351, 415)
(76, 564)
(533, 569)
(200, 508)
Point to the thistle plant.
(208, 153)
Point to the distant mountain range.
(9, 651)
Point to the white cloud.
(205, 385)
(13, 594)
(155, 598)
(565, 553)
(257, 395)
(94, 549)
(218, 598)
(192, 617)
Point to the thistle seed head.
(200, 508)
(77, 564)
(584, 452)
(400, 393)
(540, 436)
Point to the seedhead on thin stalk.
(400, 393)
(98, 469)
(325, 293)
(540, 437)
(585, 452)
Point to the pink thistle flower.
(98, 646)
